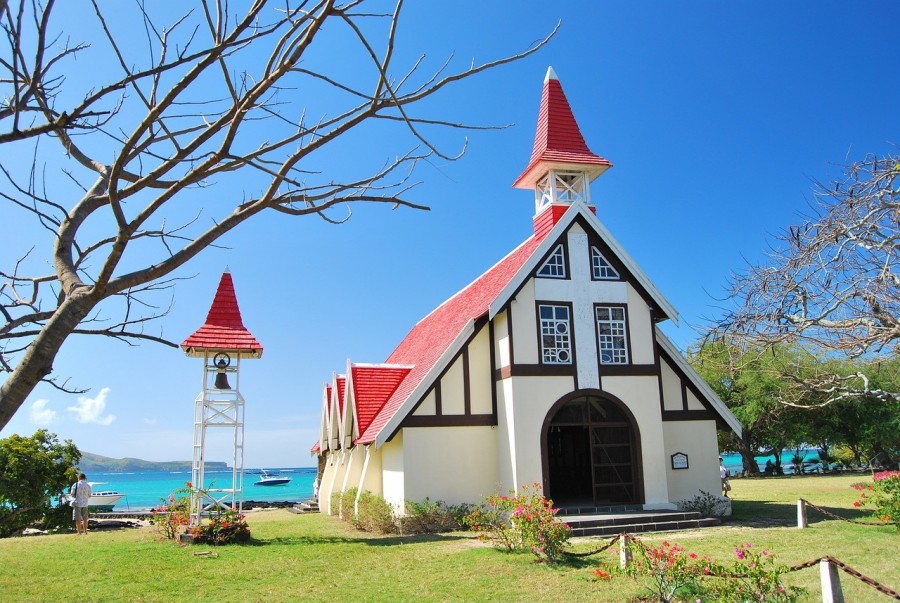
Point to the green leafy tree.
(34, 471)
(750, 384)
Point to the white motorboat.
(101, 500)
(104, 499)
(271, 479)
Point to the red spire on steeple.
(224, 329)
(558, 143)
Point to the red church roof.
(434, 334)
(224, 329)
(341, 383)
(558, 143)
(373, 385)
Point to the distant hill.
(104, 464)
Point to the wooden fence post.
(624, 552)
(831, 582)
(801, 513)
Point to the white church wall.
(452, 464)
(392, 471)
(697, 439)
(480, 374)
(640, 328)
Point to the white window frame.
(612, 334)
(555, 266)
(601, 269)
(556, 330)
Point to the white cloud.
(40, 414)
(149, 421)
(90, 410)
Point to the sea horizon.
(144, 490)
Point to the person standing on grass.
(81, 493)
(723, 473)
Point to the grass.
(316, 557)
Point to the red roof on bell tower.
(224, 329)
(558, 143)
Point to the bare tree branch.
(178, 99)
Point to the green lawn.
(315, 557)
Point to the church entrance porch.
(590, 448)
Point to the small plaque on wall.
(679, 460)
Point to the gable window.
(556, 340)
(611, 333)
(602, 270)
(555, 266)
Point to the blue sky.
(717, 117)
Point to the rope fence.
(831, 585)
(828, 513)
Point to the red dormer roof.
(224, 329)
(373, 385)
(434, 334)
(341, 384)
(558, 143)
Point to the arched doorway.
(591, 452)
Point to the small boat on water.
(271, 479)
(101, 500)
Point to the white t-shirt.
(723, 472)
(81, 490)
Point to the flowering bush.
(225, 526)
(669, 569)
(673, 575)
(173, 513)
(753, 576)
(523, 521)
(883, 495)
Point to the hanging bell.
(221, 381)
(221, 362)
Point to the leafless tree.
(219, 97)
(831, 286)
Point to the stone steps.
(308, 506)
(635, 522)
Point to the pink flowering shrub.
(672, 574)
(753, 576)
(883, 495)
(668, 570)
(173, 513)
(522, 521)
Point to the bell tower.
(222, 342)
(561, 167)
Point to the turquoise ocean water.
(733, 463)
(144, 489)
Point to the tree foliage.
(751, 391)
(33, 471)
(227, 105)
(831, 285)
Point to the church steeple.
(561, 166)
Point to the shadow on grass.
(369, 541)
(767, 514)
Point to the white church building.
(550, 367)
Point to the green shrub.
(375, 514)
(708, 505)
(223, 527)
(342, 504)
(430, 517)
(522, 521)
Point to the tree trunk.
(37, 362)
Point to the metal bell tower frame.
(222, 342)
